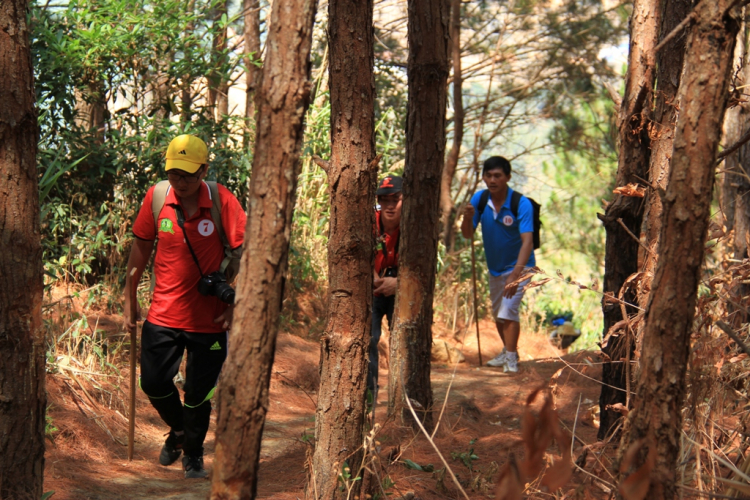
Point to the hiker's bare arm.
(467, 224)
(139, 255)
(527, 245)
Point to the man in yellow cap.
(191, 306)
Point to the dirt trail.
(483, 413)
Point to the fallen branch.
(434, 446)
(728, 330)
(720, 157)
(636, 238)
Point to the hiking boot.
(193, 466)
(511, 364)
(172, 449)
(499, 360)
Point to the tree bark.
(734, 125)
(621, 251)
(186, 93)
(742, 203)
(736, 176)
(703, 94)
(344, 347)
(91, 110)
(669, 69)
(446, 196)
(735, 187)
(282, 101)
(22, 346)
(218, 88)
(252, 52)
(411, 339)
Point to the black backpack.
(515, 199)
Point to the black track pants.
(381, 306)
(161, 354)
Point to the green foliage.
(410, 464)
(466, 457)
(558, 297)
(49, 425)
(346, 480)
(108, 76)
(385, 485)
(82, 241)
(583, 173)
(307, 437)
(79, 344)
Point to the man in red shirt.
(180, 317)
(387, 222)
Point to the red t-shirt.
(387, 247)
(176, 302)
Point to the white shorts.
(504, 308)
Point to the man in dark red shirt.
(180, 318)
(387, 222)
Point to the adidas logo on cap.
(186, 152)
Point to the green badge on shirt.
(166, 226)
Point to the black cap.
(389, 185)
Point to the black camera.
(390, 272)
(216, 284)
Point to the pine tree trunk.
(22, 346)
(186, 93)
(217, 102)
(669, 69)
(282, 101)
(91, 110)
(621, 251)
(252, 52)
(703, 94)
(738, 178)
(344, 347)
(448, 213)
(735, 188)
(411, 339)
(734, 125)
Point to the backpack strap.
(515, 199)
(230, 266)
(483, 199)
(213, 188)
(157, 201)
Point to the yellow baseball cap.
(186, 152)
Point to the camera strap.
(181, 223)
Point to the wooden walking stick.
(474, 287)
(133, 350)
